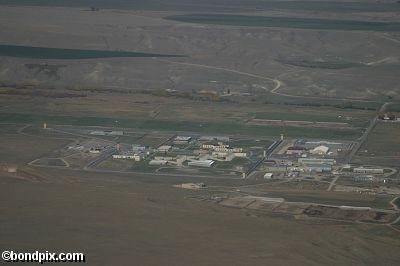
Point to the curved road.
(274, 90)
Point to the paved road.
(102, 157)
(269, 151)
(364, 137)
(333, 183)
(274, 90)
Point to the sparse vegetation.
(286, 22)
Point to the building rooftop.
(296, 148)
(183, 138)
(310, 165)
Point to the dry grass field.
(21, 149)
(323, 63)
(117, 220)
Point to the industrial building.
(320, 150)
(331, 145)
(135, 157)
(138, 147)
(295, 150)
(240, 154)
(364, 178)
(220, 147)
(158, 162)
(362, 170)
(214, 138)
(164, 148)
(319, 168)
(179, 140)
(316, 161)
(193, 186)
(270, 162)
(202, 163)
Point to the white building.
(193, 186)
(268, 175)
(320, 150)
(164, 148)
(182, 140)
(138, 147)
(332, 145)
(362, 170)
(240, 154)
(316, 161)
(135, 157)
(158, 162)
(220, 147)
(202, 163)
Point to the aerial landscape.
(182, 132)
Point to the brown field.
(228, 76)
(134, 217)
(119, 220)
(266, 52)
(21, 149)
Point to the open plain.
(219, 132)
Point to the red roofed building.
(295, 150)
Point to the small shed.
(268, 175)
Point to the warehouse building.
(331, 145)
(316, 161)
(364, 178)
(135, 157)
(179, 140)
(202, 163)
(269, 162)
(193, 186)
(295, 150)
(318, 168)
(220, 147)
(362, 170)
(139, 147)
(164, 148)
(158, 162)
(214, 138)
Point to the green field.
(329, 117)
(286, 22)
(322, 64)
(298, 117)
(56, 53)
(393, 107)
(230, 128)
(397, 202)
(383, 141)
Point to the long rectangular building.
(107, 133)
(331, 145)
(362, 170)
(202, 163)
(316, 161)
(319, 168)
